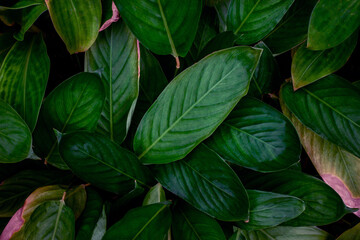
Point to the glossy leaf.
(145, 223)
(14, 190)
(269, 209)
(258, 137)
(323, 204)
(320, 107)
(96, 159)
(178, 120)
(191, 224)
(352, 233)
(332, 22)
(163, 26)
(284, 233)
(338, 168)
(51, 220)
(309, 66)
(156, 194)
(23, 77)
(92, 214)
(266, 75)
(115, 53)
(76, 22)
(15, 136)
(251, 20)
(292, 29)
(205, 181)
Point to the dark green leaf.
(252, 20)
(145, 223)
(269, 209)
(23, 77)
(308, 66)
(352, 233)
(323, 204)
(329, 107)
(15, 136)
(219, 42)
(115, 53)
(156, 194)
(205, 181)
(332, 22)
(222, 8)
(76, 22)
(96, 159)
(51, 220)
(5, 5)
(179, 119)
(258, 137)
(163, 26)
(6, 42)
(191, 224)
(292, 29)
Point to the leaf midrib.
(247, 16)
(310, 65)
(190, 225)
(353, 182)
(62, 203)
(25, 76)
(184, 114)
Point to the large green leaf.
(180, 118)
(323, 204)
(15, 136)
(163, 26)
(90, 217)
(115, 53)
(269, 209)
(337, 167)
(145, 223)
(251, 20)
(51, 220)
(332, 22)
(191, 224)
(329, 107)
(103, 163)
(283, 233)
(308, 66)
(14, 190)
(352, 233)
(205, 181)
(76, 22)
(292, 29)
(258, 137)
(23, 77)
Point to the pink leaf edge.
(15, 224)
(115, 17)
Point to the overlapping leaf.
(156, 194)
(115, 54)
(251, 20)
(23, 77)
(163, 26)
(179, 119)
(205, 181)
(258, 137)
(352, 233)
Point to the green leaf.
(203, 178)
(321, 107)
(172, 23)
(156, 194)
(14, 190)
(219, 42)
(6, 42)
(336, 166)
(251, 20)
(266, 74)
(309, 66)
(145, 223)
(5, 5)
(272, 143)
(191, 224)
(285, 233)
(269, 209)
(323, 204)
(51, 220)
(15, 136)
(115, 53)
(76, 22)
(292, 29)
(96, 159)
(179, 119)
(23, 77)
(352, 233)
(332, 22)
(91, 216)
(222, 8)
